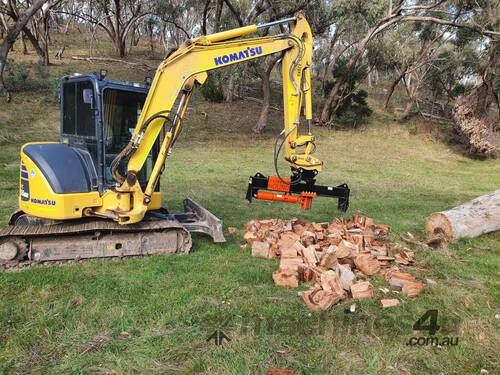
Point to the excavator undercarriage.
(30, 240)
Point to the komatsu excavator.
(96, 193)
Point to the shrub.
(15, 75)
(212, 90)
(55, 83)
(42, 71)
(354, 110)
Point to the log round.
(471, 219)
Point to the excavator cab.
(98, 115)
(68, 179)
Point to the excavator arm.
(174, 81)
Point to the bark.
(218, 13)
(265, 76)
(235, 13)
(119, 46)
(329, 68)
(266, 91)
(68, 24)
(471, 219)
(325, 113)
(23, 44)
(10, 38)
(230, 89)
(398, 79)
(151, 39)
(4, 25)
(407, 112)
(46, 39)
(204, 17)
(34, 42)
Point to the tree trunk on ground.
(10, 38)
(470, 111)
(471, 219)
(392, 88)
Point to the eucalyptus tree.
(23, 15)
(369, 20)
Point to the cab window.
(78, 109)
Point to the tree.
(375, 17)
(248, 15)
(12, 34)
(115, 17)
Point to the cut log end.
(438, 225)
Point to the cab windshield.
(121, 111)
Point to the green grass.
(70, 319)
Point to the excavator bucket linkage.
(294, 191)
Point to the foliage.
(42, 71)
(354, 109)
(212, 90)
(55, 83)
(353, 112)
(15, 74)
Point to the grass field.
(153, 315)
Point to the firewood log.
(471, 219)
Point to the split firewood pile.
(340, 256)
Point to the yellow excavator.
(96, 193)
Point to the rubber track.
(87, 225)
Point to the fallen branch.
(261, 101)
(257, 100)
(142, 66)
(425, 115)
